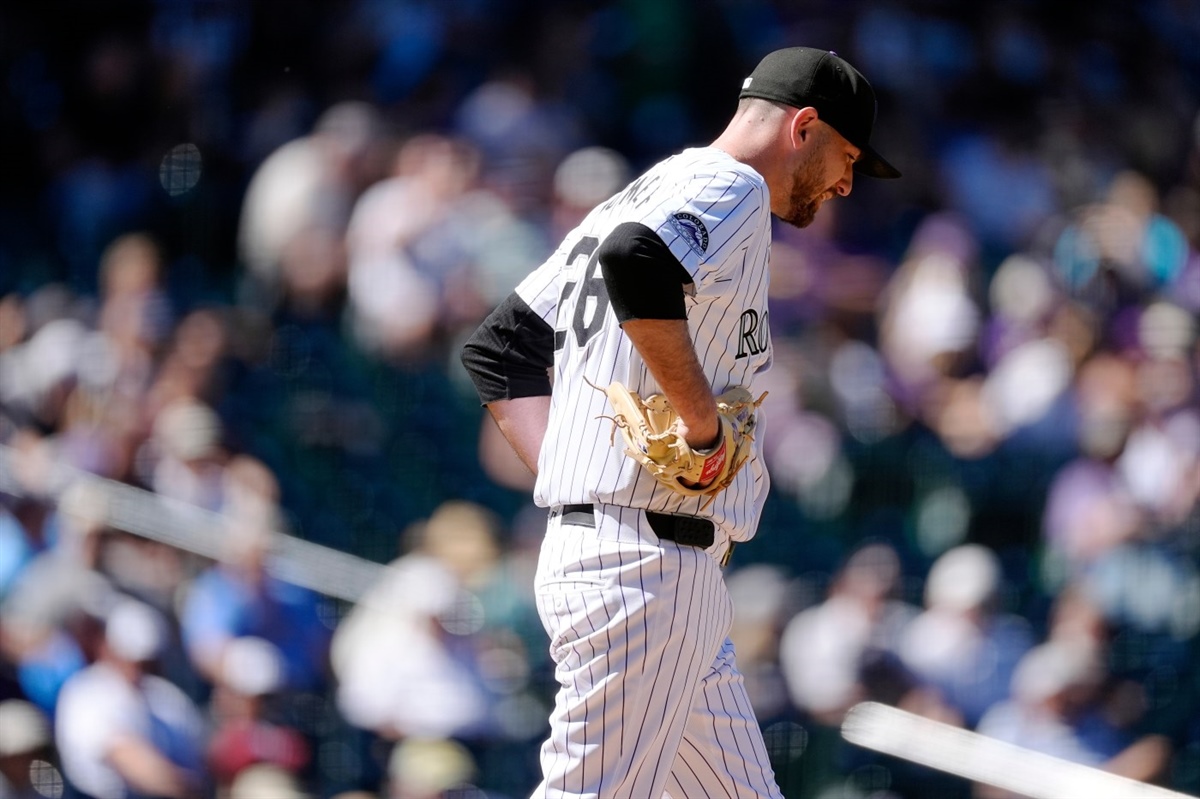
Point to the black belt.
(689, 530)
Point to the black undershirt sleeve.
(509, 355)
(643, 277)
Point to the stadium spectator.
(266, 780)
(405, 656)
(244, 730)
(301, 197)
(1089, 509)
(429, 768)
(27, 740)
(239, 596)
(1058, 707)
(122, 730)
(431, 248)
(51, 621)
(825, 647)
(964, 645)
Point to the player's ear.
(802, 123)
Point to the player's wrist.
(714, 461)
(703, 440)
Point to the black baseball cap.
(806, 76)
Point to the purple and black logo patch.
(690, 226)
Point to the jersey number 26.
(591, 287)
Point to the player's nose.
(846, 183)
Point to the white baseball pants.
(650, 702)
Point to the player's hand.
(657, 437)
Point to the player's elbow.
(509, 355)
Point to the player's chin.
(802, 216)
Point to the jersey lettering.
(636, 194)
(754, 333)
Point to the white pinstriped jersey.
(714, 213)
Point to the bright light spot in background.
(590, 175)
(1185, 615)
(180, 169)
(829, 496)
(1054, 570)
(1021, 290)
(1026, 382)
(871, 780)
(943, 517)
(521, 716)
(786, 741)
(1166, 330)
(45, 779)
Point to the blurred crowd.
(241, 242)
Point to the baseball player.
(663, 290)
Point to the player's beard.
(805, 198)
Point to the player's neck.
(754, 136)
(753, 149)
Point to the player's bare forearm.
(666, 347)
(522, 422)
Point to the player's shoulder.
(717, 182)
(702, 177)
(712, 164)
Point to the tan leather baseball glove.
(650, 427)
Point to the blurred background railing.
(193, 529)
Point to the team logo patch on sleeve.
(691, 228)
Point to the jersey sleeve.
(509, 354)
(542, 288)
(716, 215)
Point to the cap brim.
(873, 165)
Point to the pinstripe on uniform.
(650, 700)
(577, 462)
